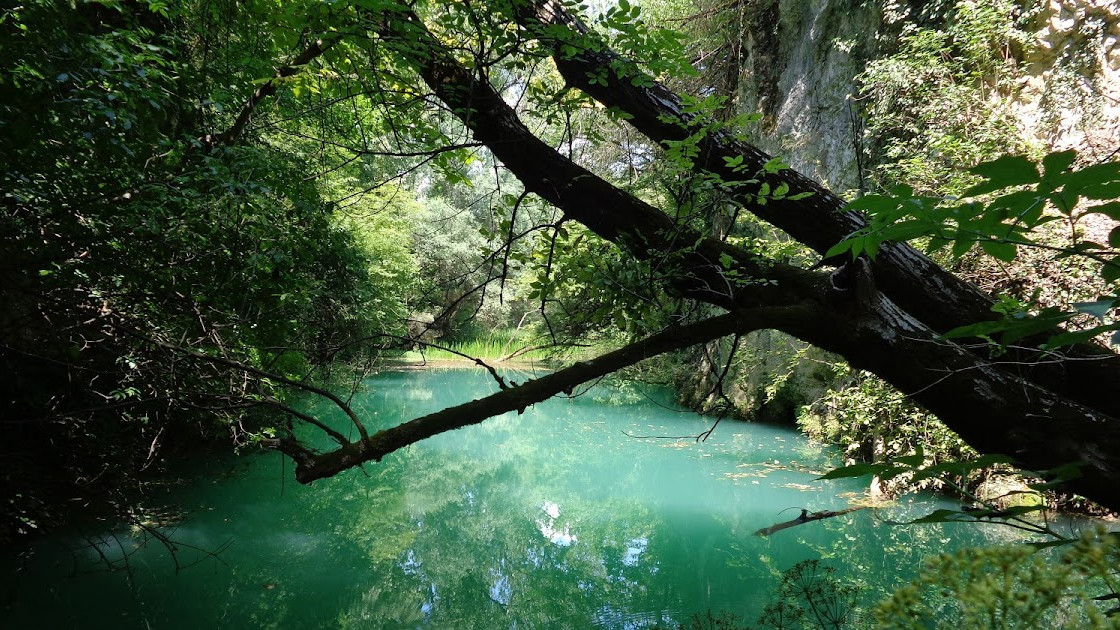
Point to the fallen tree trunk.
(311, 466)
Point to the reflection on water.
(551, 509)
(634, 549)
(554, 534)
(556, 518)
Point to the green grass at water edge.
(493, 347)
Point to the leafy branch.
(977, 509)
(1002, 214)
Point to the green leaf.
(1057, 163)
(961, 467)
(855, 470)
(894, 471)
(874, 204)
(1097, 309)
(1110, 271)
(1077, 336)
(774, 165)
(961, 246)
(858, 246)
(1021, 203)
(1092, 176)
(1045, 320)
(1010, 170)
(939, 516)
(1104, 190)
(911, 460)
(979, 329)
(840, 248)
(902, 191)
(1013, 329)
(936, 243)
(903, 231)
(999, 249)
(1110, 210)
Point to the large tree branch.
(992, 408)
(264, 375)
(818, 221)
(269, 87)
(612, 213)
(310, 467)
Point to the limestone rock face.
(1071, 93)
(802, 58)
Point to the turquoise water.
(578, 513)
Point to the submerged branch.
(805, 517)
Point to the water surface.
(599, 510)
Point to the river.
(597, 511)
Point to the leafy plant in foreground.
(1001, 215)
(1012, 587)
(811, 596)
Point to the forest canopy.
(211, 208)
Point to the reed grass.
(496, 346)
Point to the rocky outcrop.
(1070, 97)
(772, 376)
(802, 60)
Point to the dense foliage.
(945, 100)
(136, 249)
(1009, 587)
